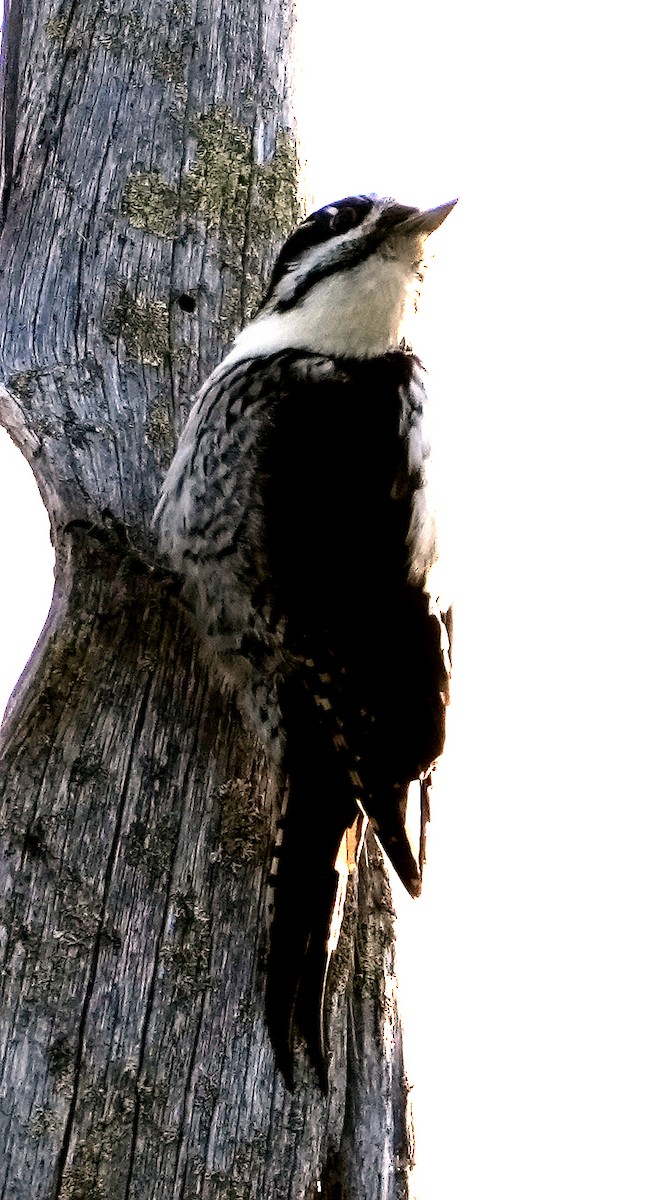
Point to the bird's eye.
(343, 219)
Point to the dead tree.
(149, 171)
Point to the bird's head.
(345, 280)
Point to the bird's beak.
(425, 221)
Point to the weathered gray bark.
(150, 169)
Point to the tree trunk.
(150, 169)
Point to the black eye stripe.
(321, 226)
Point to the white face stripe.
(319, 256)
(362, 312)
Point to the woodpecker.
(298, 512)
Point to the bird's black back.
(363, 707)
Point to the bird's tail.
(319, 816)
(320, 843)
(309, 894)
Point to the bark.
(149, 170)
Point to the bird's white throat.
(357, 313)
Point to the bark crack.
(243, 289)
(181, 1155)
(9, 97)
(96, 948)
(150, 1000)
(252, 179)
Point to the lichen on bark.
(150, 203)
(245, 203)
(142, 323)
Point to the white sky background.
(534, 978)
